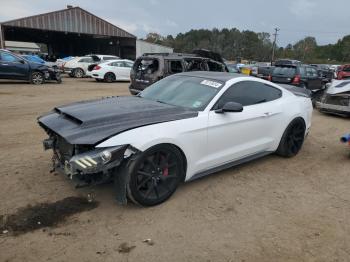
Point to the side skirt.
(228, 165)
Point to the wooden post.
(2, 38)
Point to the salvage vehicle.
(343, 72)
(325, 72)
(152, 67)
(336, 98)
(78, 66)
(16, 67)
(181, 128)
(113, 70)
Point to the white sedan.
(180, 128)
(114, 70)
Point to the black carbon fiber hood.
(91, 122)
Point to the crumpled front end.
(338, 104)
(87, 165)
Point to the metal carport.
(72, 31)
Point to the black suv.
(152, 67)
(15, 67)
(299, 75)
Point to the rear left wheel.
(292, 139)
(154, 175)
(109, 77)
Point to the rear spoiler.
(298, 91)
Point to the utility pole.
(274, 44)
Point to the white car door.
(118, 69)
(236, 135)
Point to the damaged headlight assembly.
(98, 160)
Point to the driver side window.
(249, 93)
(8, 58)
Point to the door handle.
(267, 114)
(5, 64)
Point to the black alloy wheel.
(109, 77)
(292, 139)
(155, 175)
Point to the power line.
(274, 44)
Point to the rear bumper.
(95, 75)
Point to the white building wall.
(145, 47)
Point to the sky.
(324, 19)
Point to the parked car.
(181, 128)
(77, 67)
(299, 75)
(150, 68)
(282, 62)
(343, 72)
(112, 70)
(264, 72)
(15, 67)
(325, 72)
(232, 68)
(336, 98)
(61, 61)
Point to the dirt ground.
(272, 209)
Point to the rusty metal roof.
(72, 20)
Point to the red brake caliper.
(165, 169)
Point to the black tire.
(292, 139)
(109, 77)
(37, 78)
(154, 175)
(317, 96)
(78, 73)
(59, 80)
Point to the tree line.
(233, 44)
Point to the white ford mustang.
(180, 128)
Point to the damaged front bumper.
(93, 167)
(333, 109)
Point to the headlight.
(98, 159)
(106, 156)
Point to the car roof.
(116, 60)
(219, 76)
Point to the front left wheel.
(37, 78)
(154, 175)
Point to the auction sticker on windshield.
(211, 83)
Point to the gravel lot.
(272, 209)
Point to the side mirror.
(22, 61)
(230, 107)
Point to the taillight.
(97, 68)
(269, 78)
(296, 80)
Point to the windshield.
(190, 92)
